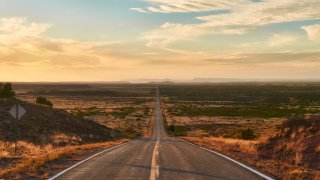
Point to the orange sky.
(154, 39)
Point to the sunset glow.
(112, 40)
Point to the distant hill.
(217, 80)
(162, 82)
(235, 80)
(151, 81)
(42, 125)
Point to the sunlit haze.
(117, 40)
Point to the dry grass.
(32, 159)
(247, 152)
(225, 126)
(61, 139)
(149, 131)
(226, 144)
(4, 154)
(137, 121)
(264, 138)
(317, 149)
(133, 125)
(24, 148)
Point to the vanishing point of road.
(158, 157)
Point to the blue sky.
(109, 40)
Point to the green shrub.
(44, 101)
(90, 112)
(122, 112)
(247, 134)
(177, 130)
(171, 128)
(146, 110)
(6, 90)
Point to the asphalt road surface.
(158, 157)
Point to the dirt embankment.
(42, 125)
(45, 137)
(298, 144)
(293, 153)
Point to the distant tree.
(1, 86)
(146, 110)
(6, 90)
(247, 134)
(171, 128)
(44, 101)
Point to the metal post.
(17, 112)
(16, 129)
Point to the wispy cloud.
(140, 10)
(21, 27)
(281, 39)
(239, 20)
(172, 32)
(147, 53)
(267, 12)
(179, 6)
(22, 42)
(313, 32)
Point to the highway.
(158, 157)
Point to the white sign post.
(17, 111)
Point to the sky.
(112, 40)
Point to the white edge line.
(230, 159)
(77, 164)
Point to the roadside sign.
(17, 111)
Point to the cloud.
(178, 6)
(233, 58)
(267, 12)
(171, 32)
(281, 39)
(239, 19)
(147, 53)
(22, 42)
(266, 58)
(140, 10)
(20, 27)
(313, 32)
